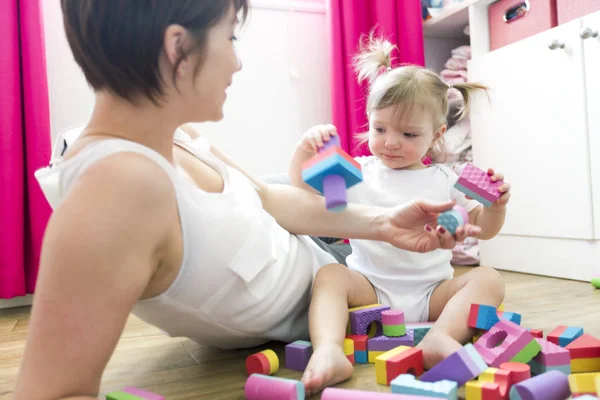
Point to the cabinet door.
(534, 130)
(591, 52)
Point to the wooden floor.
(181, 369)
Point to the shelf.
(451, 22)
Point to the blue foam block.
(473, 195)
(333, 165)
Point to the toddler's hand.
(314, 139)
(504, 189)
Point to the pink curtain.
(397, 20)
(24, 144)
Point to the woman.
(177, 234)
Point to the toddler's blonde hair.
(409, 85)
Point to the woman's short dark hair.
(117, 42)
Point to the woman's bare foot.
(437, 346)
(327, 366)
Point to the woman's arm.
(99, 254)
(301, 212)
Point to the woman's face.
(203, 88)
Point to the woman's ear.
(174, 46)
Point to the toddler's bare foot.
(437, 346)
(327, 366)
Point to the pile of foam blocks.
(504, 361)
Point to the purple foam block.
(297, 355)
(552, 385)
(460, 367)
(385, 343)
(333, 141)
(360, 320)
(334, 190)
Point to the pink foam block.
(502, 342)
(142, 394)
(479, 182)
(348, 394)
(265, 387)
(552, 354)
(392, 317)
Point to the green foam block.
(528, 352)
(394, 330)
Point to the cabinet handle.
(556, 44)
(587, 33)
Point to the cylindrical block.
(264, 387)
(334, 190)
(393, 323)
(519, 371)
(265, 362)
(347, 394)
(454, 218)
(551, 385)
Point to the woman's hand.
(411, 227)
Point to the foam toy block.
(478, 185)
(381, 344)
(551, 357)
(349, 350)
(265, 362)
(454, 218)
(393, 323)
(536, 333)
(510, 316)
(398, 361)
(132, 393)
(360, 348)
(349, 394)
(332, 172)
(477, 390)
(407, 384)
(582, 384)
(519, 372)
(505, 342)
(500, 377)
(419, 330)
(552, 385)
(366, 320)
(297, 355)
(587, 397)
(264, 387)
(477, 336)
(460, 367)
(563, 335)
(596, 281)
(501, 307)
(482, 317)
(585, 354)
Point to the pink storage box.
(569, 10)
(513, 20)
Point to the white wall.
(282, 90)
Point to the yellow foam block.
(273, 361)
(473, 390)
(583, 383)
(348, 347)
(585, 365)
(381, 363)
(501, 307)
(477, 336)
(373, 355)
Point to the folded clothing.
(462, 52)
(455, 63)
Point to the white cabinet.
(591, 49)
(542, 129)
(534, 130)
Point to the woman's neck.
(145, 123)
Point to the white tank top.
(243, 280)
